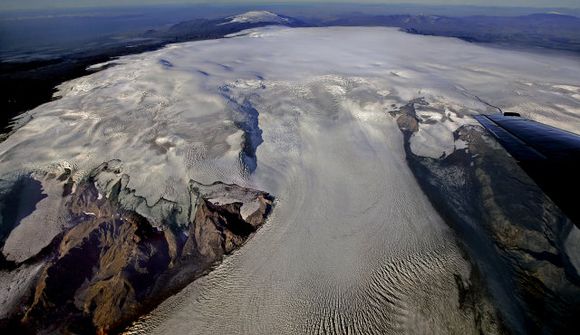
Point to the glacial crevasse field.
(315, 117)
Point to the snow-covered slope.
(261, 16)
(353, 244)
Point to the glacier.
(353, 244)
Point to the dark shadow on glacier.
(512, 243)
(246, 119)
(17, 201)
(165, 63)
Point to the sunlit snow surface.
(352, 245)
(256, 17)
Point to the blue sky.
(52, 4)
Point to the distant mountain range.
(546, 30)
(551, 31)
(217, 28)
(28, 82)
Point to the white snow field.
(257, 17)
(353, 245)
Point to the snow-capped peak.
(261, 16)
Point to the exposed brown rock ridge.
(112, 263)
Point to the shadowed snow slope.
(353, 245)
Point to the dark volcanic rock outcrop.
(117, 256)
(521, 242)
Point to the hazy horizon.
(11, 5)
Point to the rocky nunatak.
(520, 241)
(113, 256)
